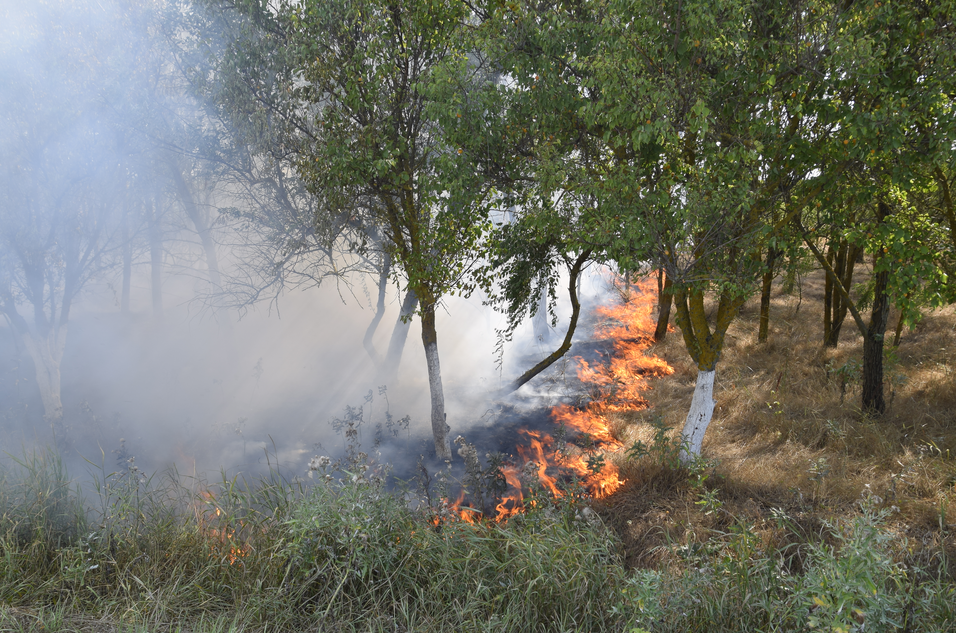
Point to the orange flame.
(620, 385)
(223, 537)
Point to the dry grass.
(787, 435)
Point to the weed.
(663, 449)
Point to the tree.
(529, 135)
(716, 103)
(892, 103)
(348, 91)
(62, 179)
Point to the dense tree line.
(715, 142)
(447, 146)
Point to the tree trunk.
(430, 341)
(127, 264)
(873, 401)
(699, 417)
(539, 322)
(385, 266)
(155, 258)
(396, 344)
(947, 202)
(842, 260)
(705, 347)
(768, 274)
(47, 353)
(898, 334)
(575, 275)
(664, 301)
(199, 223)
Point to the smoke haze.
(96, 148)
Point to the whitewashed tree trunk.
(698, 419)
(47, 353)
(439, 424)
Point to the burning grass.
(342, 554)
(805, 515)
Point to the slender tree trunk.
(842, 260)
(155, 258)
(947, 202)
(539, 322)
(873, 334)
(845, 263)
(873, 400)
(385, 266)
(44, 342)
(705, 347)
(199, 223)
(898, 333)
(396, 344)
(828, 287)
(47, 354)
(700, 414)
(575, 275)
(768, 274)
(430, 341)
(665, 299)
(127, 265)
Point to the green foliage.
(663, 449)
(735, 584)
(39, 502)
(360, 553)
(350, 95)
(862, 584)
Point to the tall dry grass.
(788, 432)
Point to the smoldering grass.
(342, 552)
(153, 551)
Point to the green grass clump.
(341, 554)
(358, 550)
(851, 581)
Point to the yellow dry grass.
(787, 433)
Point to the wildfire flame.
(214, 526)
(619, 385)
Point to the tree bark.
(699, 417)
(768, 274)
(430, 341)
(947, 202)
(47, 354)
(705, 347)
(665, 299)
(873, 400)
(898, 333)
(127, 264)
(44, 342)
(539, 322)
(199, 223)
(842, 261)
(155, 258)
(873, 334)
